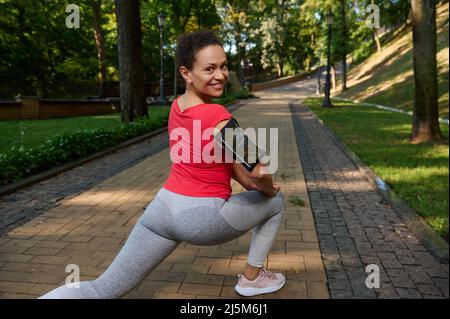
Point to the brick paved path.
(341, 212)
(21, 206)
(355, 227)
(89, 228)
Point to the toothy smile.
(216, 85)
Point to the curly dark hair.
(190, 43)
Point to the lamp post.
(326, 100)
(161, 100)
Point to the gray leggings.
(172, 218)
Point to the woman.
(195, 203)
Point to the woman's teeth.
(217, 86)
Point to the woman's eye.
(224, 66)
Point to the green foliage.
(40, 56)
(18, 163)
(230, 97)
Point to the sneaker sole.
(248, 292)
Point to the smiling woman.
(205, 72)
(195, 204)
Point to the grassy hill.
(387, 77)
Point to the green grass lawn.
(417, 173)
(32, 133)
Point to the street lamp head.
(161, 18)
(330, 17)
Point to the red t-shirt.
(189, 132)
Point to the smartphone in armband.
(235, 142)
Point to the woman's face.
(209, 72)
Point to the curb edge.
(437, 246)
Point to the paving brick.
(50, 244)
(15, 257)
(405, 293)
(160, 286)
(189, 288)
(41, 278)
(4, 240)
(204, 279)
(40, 289)
(176, 258)
(418, 275)
(168, 295)
(17, 296)
(15, 276)
(216, 262)
(166, 275)
(213, 252)
(317, 290)
(426, 289)
(52, 260)
(42, 251)
(139, 294)
(14, 287)
(225, 271)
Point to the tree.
(181, 15)
(426, 113)
(131, 68)
(99, 39)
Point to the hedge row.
(17, 164)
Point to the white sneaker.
(265, 283)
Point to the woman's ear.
(185, 74)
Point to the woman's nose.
(220, 75)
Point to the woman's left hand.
(255, 187)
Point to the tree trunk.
(132, 98)
(377, 39)
(344, 48)
(181, 27)
(99, 39)
(22, 65)
(240, 53)
(426, 111)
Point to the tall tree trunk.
(132, 97)
(344, 48)
(23, 65)
(239, 52)
(426, 112)
(99, 39)
(181, 26)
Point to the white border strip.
(387, 108)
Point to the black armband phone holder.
(235, 142)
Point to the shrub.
(18, 163)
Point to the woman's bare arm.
(240, 175)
